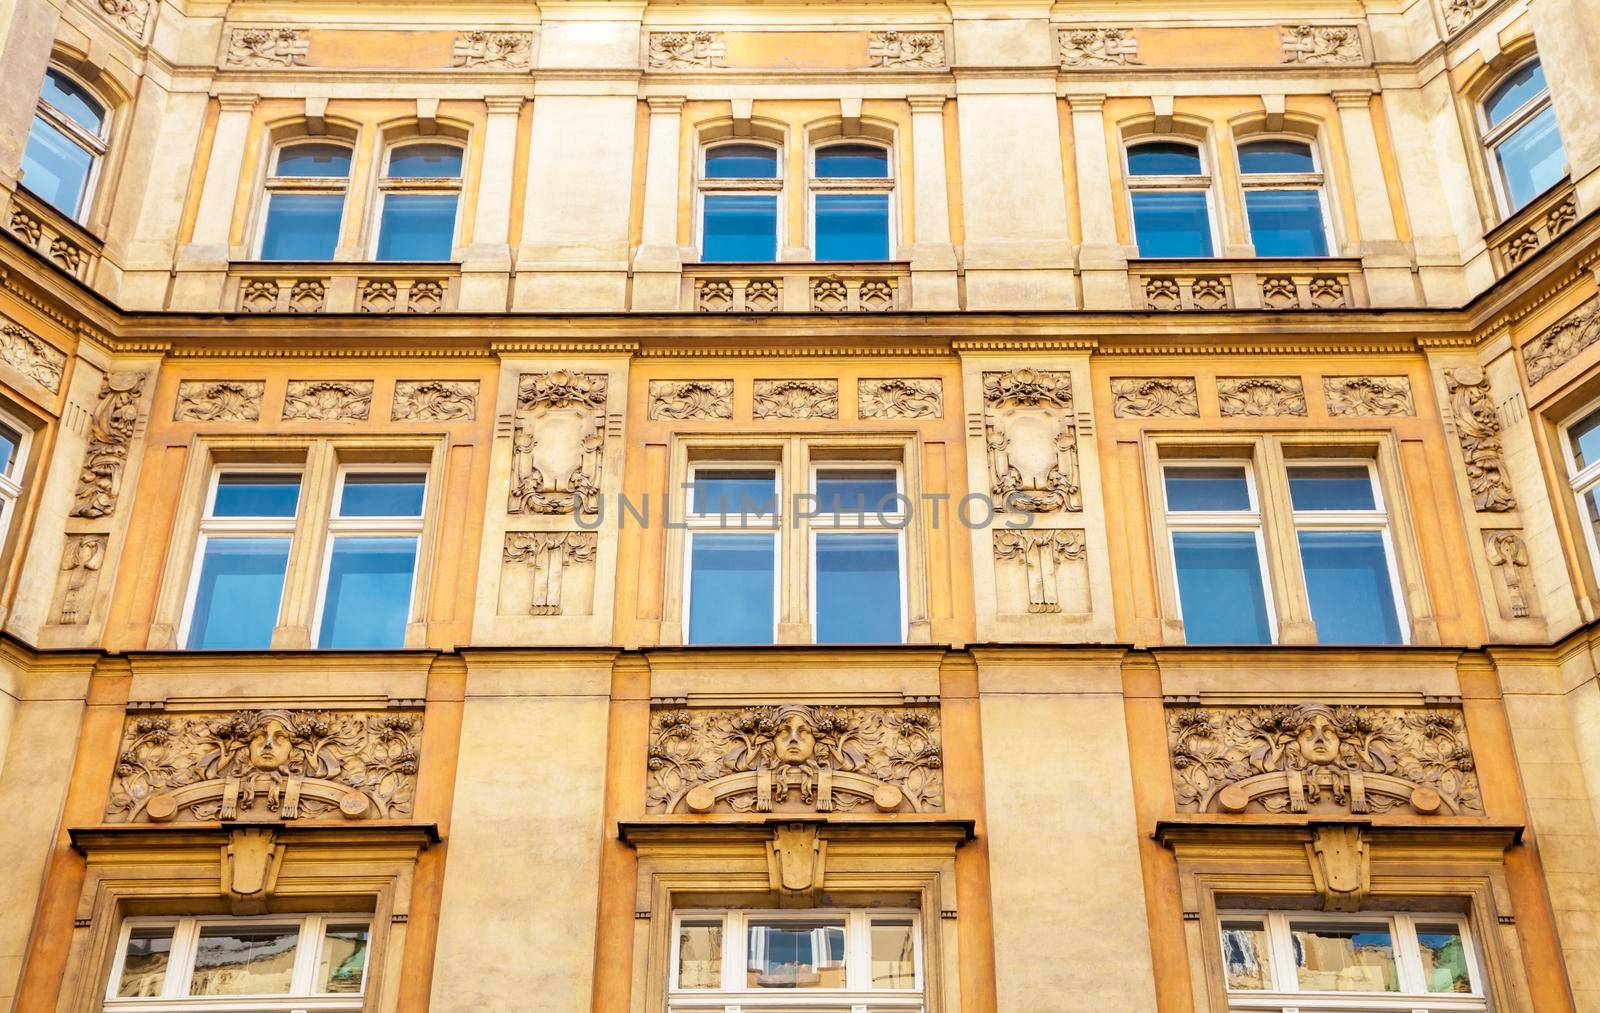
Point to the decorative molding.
(685, 50)
(1368, 395)
(1458, 14)
(1319, 44)
(1032, 440)
(797, 399)
(111, 427)
(684, 400)
(1341, 866)
(1508, 555)
(219, 401)
(1478, 431)
(268, 764)
(328, 400)
(906, 50)
(267, 47)
(547, 553)
(130, 14)
(1155, 397)
(558, 443)
(797, 859)
(895, 398)
(1097, 47)
(493, 50)
(795, 757)
(1313, 758)
(1261, 396)
(1041, 551)
(81, 561)
(435, 401)
(1559, 343)
(32, 356)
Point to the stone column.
(486, 265)
(203, 262)
(658, 263)
(27, 28)
(1102, 260)
(1446, 224)
(1566, 31)
(933, 258)
(1384, 259)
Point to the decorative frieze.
(900, 399)
(219, 401)
(1542, 227)
(1368, 395)
(1155, 397)
(266, 765)
(1507, 554)
(558, 443)
(132, 15)
(328, 400)
(548, 554)
(1458, 14)
(1559, 343)
(1041, 552)
(738, 295)
(1477, 427)
(796, 399)
(906, 50)
(493, 50)
(1261, 396)
(267, 47)
(1097, 47)
(32, 356)
(795, 757)
(81, 561)
(111, 427)
(691, 400)
(1032, 440)
(435, 401)
(685, 50)
(1321, 44)
(1313, 758)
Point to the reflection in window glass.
(858, 589)
(795, 954)
(1172, 223)
(852, 226)
(857, 490)
(343, 961)
(1206, 489)
(1347, 579)
(1532, 159)
(144, 966)
(322, 161)
(381, 495)
(239, 590)
(1244, 955)
(1444, 958)
(244, 494)
(10, 440)
(417, 226)
(1219, 587)
(1164, 158)
(1516, 92)
(235, 961)
(73, 101)
(56, 168)
(1286, 223)
(1585, 438)
(1331, 487)
(894, 953)
(733, 492)
(425, 161)
(700, 955)
(1276, 158)
(368, 598)
(852, 161)
(730, 588)
(740, 227)
(742, 161)
(302, 226)
(1332, 958)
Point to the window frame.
(1494, 135)
(338, 526)
(11, 489)
(1252, 520)
(275, 184)
(852, 186)
(426, 185)
(1377, 519)
(97, 145)
(736, 186)
(1204, 183)
(1316, 180)
(715, 524)
(238, 527)
(1581, 481)
(867, 522)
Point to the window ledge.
(1272, 283)
(873, 286)
(390, 286)
(52, 235)
(1533, 227)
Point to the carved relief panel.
(548, 573)
(111, 429)
(1041, 571)
(1032, 440)
(558, 440)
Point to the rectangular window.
(1215, 526)
(1286, 223)
(858, 594)
(242, 556)
(372, 559)
(302, 226)
(1581, 440)
(852, 226)
(733, 554)
(1343, 533)
(56, 168)
(1172, 223)
(14, 441)
(417, 226)
(740, 227)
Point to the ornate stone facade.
(266, 47)
(1155, 397)
(493, 50)
(1032, 439)
(1042, 552)
(1334, 44)
(111, 427)
(31, 356)
(906, 50)
(1261, 396)
(328, 400)
(797, 399)
(1478, 432)
(548, 554)
(691, 400)
(900, 399)
(685, 50)
(219, 401)
(1097, 47)
(1559, 343)
(558, 443)
(1368, 395)
(435, 401)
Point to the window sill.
(1533, 226)
(390, 286)
(824, 286)
(1272, 283)
(54, 236)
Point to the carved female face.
(1319, 739)
(270, 745)
(794, 741)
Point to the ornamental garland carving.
(1478, 430)
(328, 400)
(111, 427)
(795, 757)
(797, 399)
(266, 765)
(1368, 395)
(1319, 44)
(686, 400)
(1032, 440)
(900, 399)
(32, 356)
(435, 401)
(557, 443)
(1312, 758)
(1557, 344)
(1261, 396)
(548, 553)
(493, 50)
(1098, 47)
(906, 50)
(219, 401)
(685, 50)
(1155, 397)
(267, 47)
(130, 14)
(1042, 552)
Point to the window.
(371, 562)
(419, 193)
(733, 554)
(1582, 439)
(1523, 137)
(1283, 198)
(739, 188)
(272, 964)
(1343, 534)
(858, 558)
(1214, 521)
(65, 145)
(1171, 194)
(1415, 963)
(810, 960)
(305, 201)
(14, 439)
(850, 189)
(242, 556)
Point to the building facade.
(658, 507)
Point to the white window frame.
(1376, 519)
(368, 527)
(1413, 996)
(11, 479)
(738, 186)
(718, 524)
(867, 523)
(437, 185)
(95, 144)
(296, 185)
(1202, 183)
(1496, 134)
(1250, 520)
(238, 527)
(1315, 180)
(1582, 480)
(858, 993)
(185, 943)
(846, 186)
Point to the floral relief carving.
(1321, 44)
(258, 295)
(378, 295)
(80, 563)
(1368, 395)
(307, 296)
(795, 757)
(1557, 344)
(685, 50)
(26, 226)
(1155, 397)
(906, 50)
(1313, 758)
(1098, 47)
(1261, 396)
(266, 764)
(797, 399)
(328, 400)
(683, 400)
(111, 428)
(435, 401)
(1508, 555)
(900, 399)
(219, 401)
(829, 295)
(493, 50)
(1042, 551)
(267, 47)
(1478, 431)
(32, 356)
(1458, 14)
(548, 553)
(557, 443)
(67, 254)
(1032, 440)
(130, 14)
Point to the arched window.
(1283, 198)
(850, 189)
(739, 188)
(305, 201)
(420, 192)
(65, 144)
(1523, 137)
(1171, 194)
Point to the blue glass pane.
(417, 227)
(1219, 588)
(734, 492)
(55, 168)
(1532, 158)
(236, 601)
(323, 160)
(1207, 488)
(1585, 436)
(1172, 224)
(852, 161)
(730, 589)
(742, 161)
(1164, 158)
(857, 490)
(369, 593)
(10, 440)
(858, 589)
(381, 496)
(250, 495)
(73, 101)
(795, 954)
(853, 226)
(425, 161)
(741, 227)
(1276, 156)
(1286, 223)
(302, 226)
(1331, 487)
(1347, 579)
(1515, 93)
